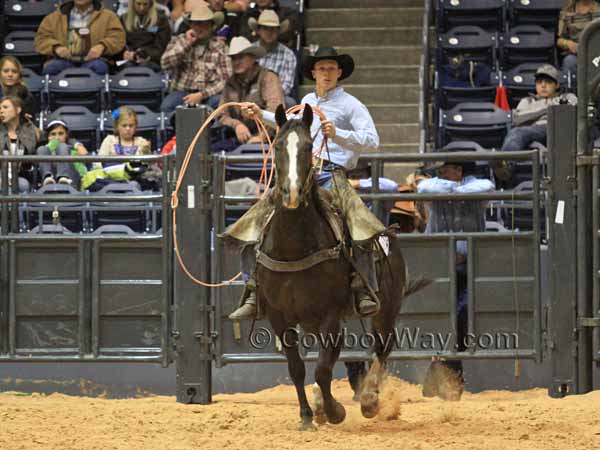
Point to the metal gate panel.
(128, 299)
(46, 315)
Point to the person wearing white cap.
(249, 83)
(279, 58)
(196, 62)
(531, 116)
(59, 144)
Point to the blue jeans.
(175, 99)
(56, 66)
(569, 64)
(519, 138)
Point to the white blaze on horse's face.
(291, 145)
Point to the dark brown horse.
(296, 290)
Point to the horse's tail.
(415, 286)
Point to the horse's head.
(293, 157)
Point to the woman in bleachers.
(147, 32)
(124, 142)
(60, 144)
(572, 21)
(18, 136)
(13, 84)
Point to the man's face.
(326, 73)
(268, 35)
(450, 172)
(265, 4)
(83, 4)
(203, 29)
(216, 5)
(141, 7)
(242, 63)
(545, 87)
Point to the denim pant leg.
(569, 64)
(45, 167)
(519, 138)
(172, 101)
(213, 101)
(98, 66)
(248, 262)
(57, 65)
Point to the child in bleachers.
(124, 142)
(13, 84)
(60, 144)
(18, 136)
(147, 33)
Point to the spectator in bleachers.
(249, 83)
(18, 136)
(454, 216)
(13, 84)
(59, 144)
(572, 21)
(80, 33)
(289, 37)
(161, 5)
(279, 58)
(531, 116)
(124, 142)
(147, 33)
(231, 23)
(197, 62)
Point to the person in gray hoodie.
(531, 116)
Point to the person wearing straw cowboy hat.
(250, 83)
(196, 62)
(287, 36)
(350, 130)
(279, 58)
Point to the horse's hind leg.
(296, 368)
(331, 345)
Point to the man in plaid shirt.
(279, 58)
(196, 62)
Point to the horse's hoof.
(356, 397)
(336, 413)
(319, 411)
(307, 426)
(369, 404)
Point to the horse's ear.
(280, 116)
(307, 117)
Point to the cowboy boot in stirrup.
(366, 305)
(247, 308)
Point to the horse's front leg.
(331, 345)
(296, 369)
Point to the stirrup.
(247, 310)
(367, 307)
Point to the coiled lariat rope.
(264, 177)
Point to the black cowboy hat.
(345, 62)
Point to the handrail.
(424, 79)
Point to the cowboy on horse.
(349, 129)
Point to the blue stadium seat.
(35, 84)
(150, 125)
(472, 42)
(26, 15)
(252, 170)
(519, 82)
(487, 14)
(83, 124)
(71, 215)
(123, 230)
(135, 215)
(527, 44)
(535, 12)
(76, 86)
(136, 86)
(20, 45)
(483, 123)
(50, 229)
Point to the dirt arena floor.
(493, 420)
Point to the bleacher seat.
(535, 12)
(25, 15)
(83, 124)
(123, 230)
(483, 123)
(76, 86)
(519, 82)
(136, 86)
(35, 85)
(50, 229)
(449, 97)
(487, 14)
(252, 170)
(150, 125)
(472, 42)
(527, 44)
(478, 168)
(71, 215)
(20, 45)
(135, 215)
